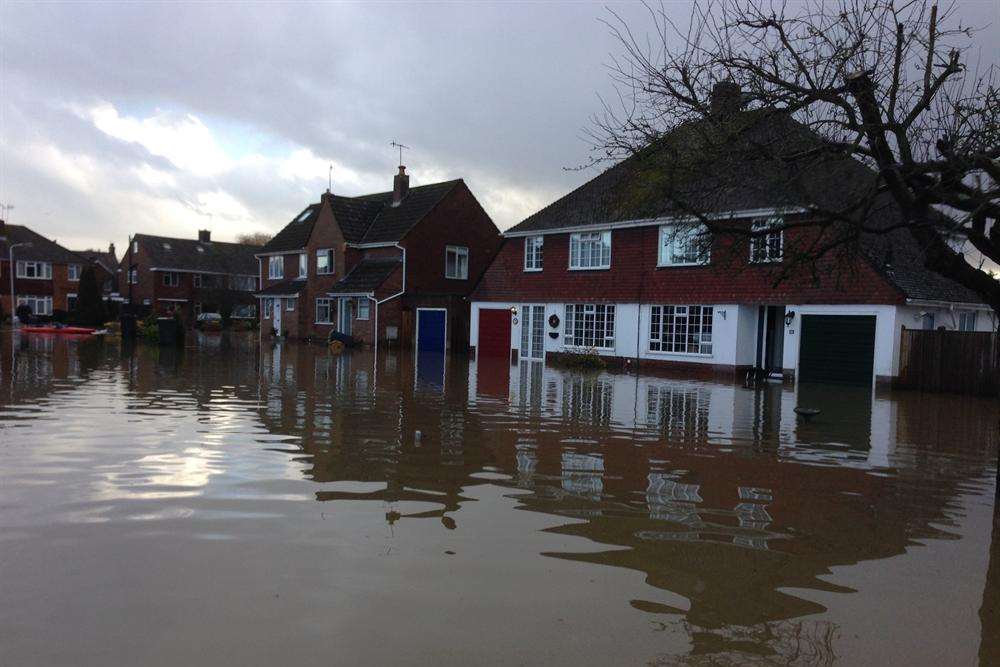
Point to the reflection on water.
(270, 503)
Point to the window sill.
(585, 348)
(778, 260)
(323, 324)
(532, 270)
(31, 278)
(590, 268)
(688, 355)
(455, 278)
(687, 265)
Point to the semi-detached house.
(614, 269)
(395, 266)
(46, 275)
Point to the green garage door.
(837, 349)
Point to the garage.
(494, 333)
(837, 349)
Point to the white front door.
(276, 314)
(344, 316)
(532, 332)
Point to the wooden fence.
(961, 362)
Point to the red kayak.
(68, 331)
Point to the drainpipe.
(393, 296)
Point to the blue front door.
(430, 330)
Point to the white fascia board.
(656, 222)
(390, 244)
(207, 273)
(928, 303)
(345, 295)
(279, 252)
(276, 296)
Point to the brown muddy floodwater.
(244, 504)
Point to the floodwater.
(244, 504)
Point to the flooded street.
(239, 504)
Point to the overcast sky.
(167, 118)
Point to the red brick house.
(191, 276)
(614, 268)
(105, 265)
(376, 266)
(46, 275)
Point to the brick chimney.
(400, 186)
(3, 227)
(111, 250)
(204, 236)
(726, 98)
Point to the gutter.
(649, 222)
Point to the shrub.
(585, 359)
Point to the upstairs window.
(243, 283)
(303, 265)
(73, 271)
(34, 270)
(681, 329)
(590, 250)
(324, 261)
(276, 267)
(684, 245)
(171, 279)
(590, 325)
(456, 262)
(768, 242)
(533, 253)
(133, 276)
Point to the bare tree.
(889, 130)
(254, 238)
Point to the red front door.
(494, 333)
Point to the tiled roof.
(193, 255)
(690, 170)
(285, 288)
(364, 219)
(366, 276)
(104, 258)
(295, 235)
(41, 248)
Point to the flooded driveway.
(239, 504)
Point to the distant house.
(46, 275)
(105, 265)
(380, 266)
(611, 269)
(192, 276)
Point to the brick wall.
(634, 276)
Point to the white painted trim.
(276, 296)
(207, 273)
(389, 244)
(951, 305)
(279, 252)
(338, 295)
(172, 300)
(649, 222)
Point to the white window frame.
(963, 320)
(133, 276)
(40, 270)
(171, 279)
(196, 280)
(73, 272)
(533, 253)
(303, 265)
(32, 301)
(290, 305)
(268, 305)
(768, 248)
(582, 251)
(363, 310)
(462, 268)
(275, 267)
(676, 239)
(331, 258)
(591, 311)
(328, 303)
(657, 341)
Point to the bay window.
(590, 250)
(590, 325)
(681, 329)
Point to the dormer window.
(768, 241)
(533, 253)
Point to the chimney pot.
(3, 226)
(726, 98)
(400, 186)
(205, 235)
(111, 250)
